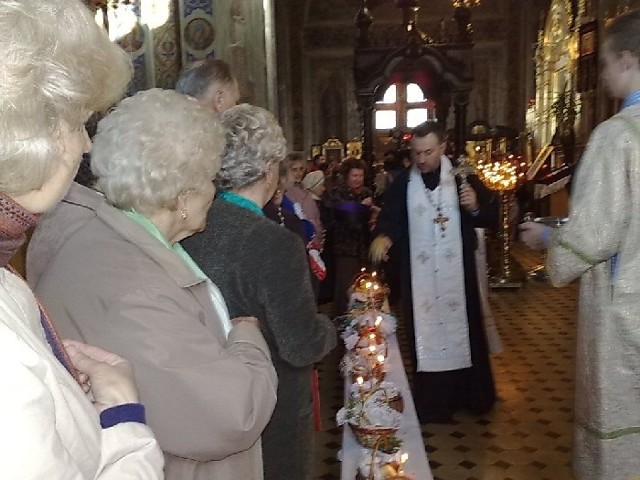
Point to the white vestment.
(437, 274)
(601, 244)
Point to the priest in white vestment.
(600, 244)
(430, 220)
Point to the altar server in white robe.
(600, 244)
(430, 220)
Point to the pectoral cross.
(442, 221)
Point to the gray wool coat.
(262, 271)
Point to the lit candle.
(381, 358)
(378, 321)
(367, 285)
(372, 336)
(403, 459)
(360, 382)
(372, 348)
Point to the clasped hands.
(105, 377)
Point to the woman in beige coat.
(122, 281)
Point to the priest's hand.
(105, 376)
(468, 198)
(379, 250)
(533, 235)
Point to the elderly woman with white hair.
(66, 412)
(122, 281)
(261, 269)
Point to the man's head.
(211, 82)
(428, 144)
(620, 55)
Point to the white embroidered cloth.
(437, 274)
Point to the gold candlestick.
(501, 175)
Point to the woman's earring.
(184, 214)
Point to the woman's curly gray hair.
(254, 142)
(56, 67)
(153, 147)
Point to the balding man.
(211, 82)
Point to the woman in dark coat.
(351, 210)
(262, 268)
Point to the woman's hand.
(252, 320)
(373, 218)
(367, 201)
(106, 376)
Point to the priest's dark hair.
(428, 127)
(623, 33)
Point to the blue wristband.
(475, 212)
(127, 412)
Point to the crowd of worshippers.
(190, 249)
(194, 251)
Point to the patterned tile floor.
(528, 434)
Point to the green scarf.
(148, 225)
(240, 201)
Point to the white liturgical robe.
(601, 244)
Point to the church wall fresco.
(166, 40)
(163, 35)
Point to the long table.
(417, 464)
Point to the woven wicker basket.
(376, 372)
(397, 403)
(372, 437)
(359, 476)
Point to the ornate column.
(462, 16)
(366, 108)
(460, 102)
(363, 23)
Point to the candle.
(381, 358)
(373, 274)
(378, 321)
(360, 382)
(372, 336)
(403, 459)
(367, 285)
(372, 348)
